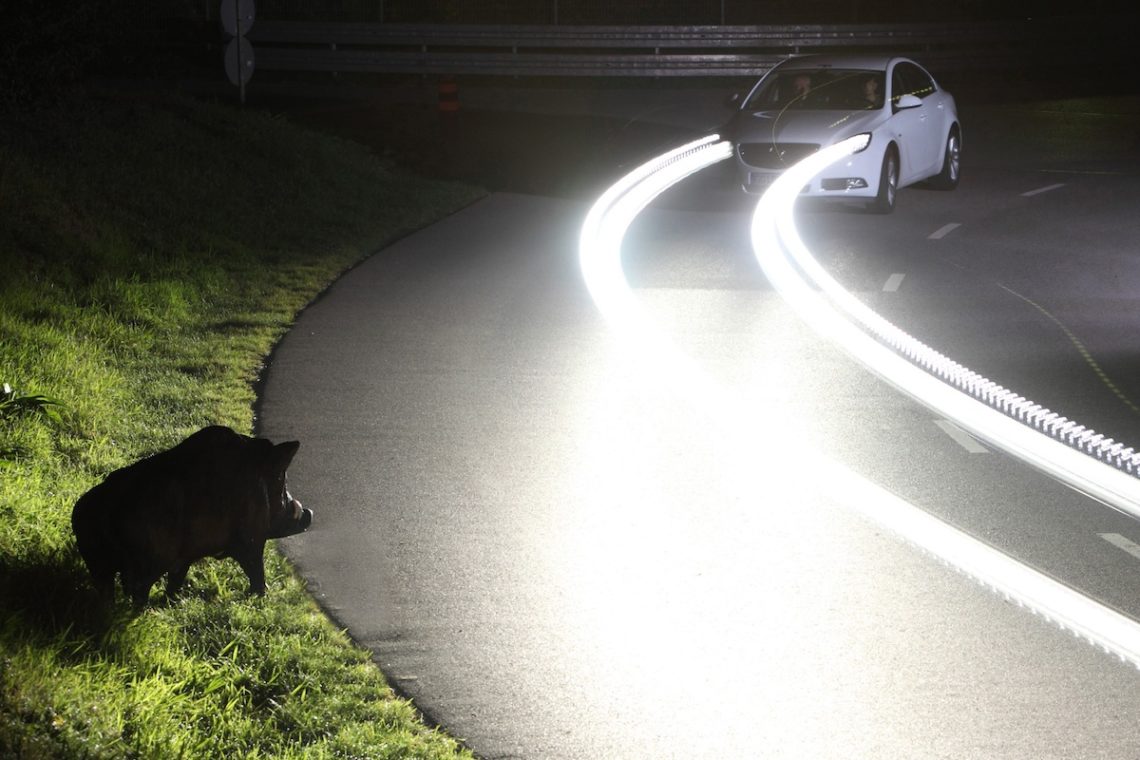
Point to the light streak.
(600, 253)
(777, 245)
(822, 303)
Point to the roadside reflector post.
(448, 96)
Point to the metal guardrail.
(617, 51)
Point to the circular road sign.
(236, 17)
(239, 60)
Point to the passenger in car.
(871, 93)
(802, 86)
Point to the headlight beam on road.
(823, 304)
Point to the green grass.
(152, 250)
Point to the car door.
(919, 128)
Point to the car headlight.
(866, 145)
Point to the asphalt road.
(558, 555)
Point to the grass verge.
(152, 250)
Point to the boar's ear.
(283, 454)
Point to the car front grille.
(776, 156)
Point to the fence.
(637, 51)
(674, 12)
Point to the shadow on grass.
(49, 598)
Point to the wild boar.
(217, 493)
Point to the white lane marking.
(942, 232)
(893, 282)
(1040, 190)
(1121, 542)
(961, 437)
(1083, 172)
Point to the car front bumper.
(856, 177)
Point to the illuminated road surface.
(557, 558)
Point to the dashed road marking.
(1040, 190)
(942, 232)
(961, 437)
(1084, 172)
(1121, 542)
(893, 282)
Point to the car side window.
(915, 81)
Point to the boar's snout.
(295, 519)
(302, 515)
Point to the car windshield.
(819, 89)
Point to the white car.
(808, 102)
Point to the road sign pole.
(236, 17)
(237, 52)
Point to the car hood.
(819, 127)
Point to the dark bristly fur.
(217, 493)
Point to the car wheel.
(884, 202)
(947, 179)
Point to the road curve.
(556, 559)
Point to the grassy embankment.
(151, 252)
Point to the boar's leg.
(98, 558)
(105, 586)
(251, 557)
(103, 578)
(175, 579)
(137, 585)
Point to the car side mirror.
(907, 101)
